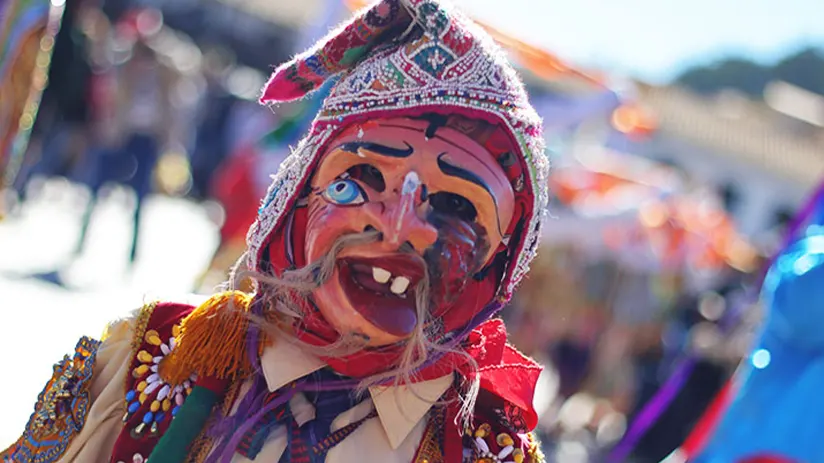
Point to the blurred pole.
(27, 36)
(704, 428)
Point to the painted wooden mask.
(441, 202)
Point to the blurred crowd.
(129, 104)
(614, 335)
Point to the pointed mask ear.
(338, 52)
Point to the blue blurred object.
(779, 403)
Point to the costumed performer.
(388, 241)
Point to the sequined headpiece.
(405, 58)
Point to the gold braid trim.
(211, 341)
(140, 324)
(534, 450)
(429, 449)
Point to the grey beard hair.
(282, 317)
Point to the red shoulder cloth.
(504, 414)
(507, 376)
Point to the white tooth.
(380, 275)
(399, 285)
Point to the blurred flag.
(562, 112)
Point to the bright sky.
(654, 39)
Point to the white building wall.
(761, 193)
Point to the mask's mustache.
(314, 275)
(448, 264)
(285, 291)
(308, 278)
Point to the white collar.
(400, 408)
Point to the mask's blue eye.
(345, 192)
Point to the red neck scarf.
(502, 370)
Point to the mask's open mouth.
(383, 290)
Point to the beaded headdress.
(406, 58)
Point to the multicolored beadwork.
(61, 409)
(483, 446)
(164, 399)
(407, 57)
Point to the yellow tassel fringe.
(211, 341)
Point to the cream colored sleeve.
(96, 440)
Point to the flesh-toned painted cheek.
(319, 211)
(455, 257)
(324, 224)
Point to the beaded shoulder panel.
(497, 435)
(150, 402)
(490, 442)
(60, 411)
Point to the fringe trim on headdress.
(211, 341)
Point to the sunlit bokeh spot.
(804, 264)
(761, 359)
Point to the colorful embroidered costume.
(386, 245)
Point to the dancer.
(389, 240)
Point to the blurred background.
(684, 137)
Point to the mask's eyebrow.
(377, 148)
(461, 173)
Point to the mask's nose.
(402, 220)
